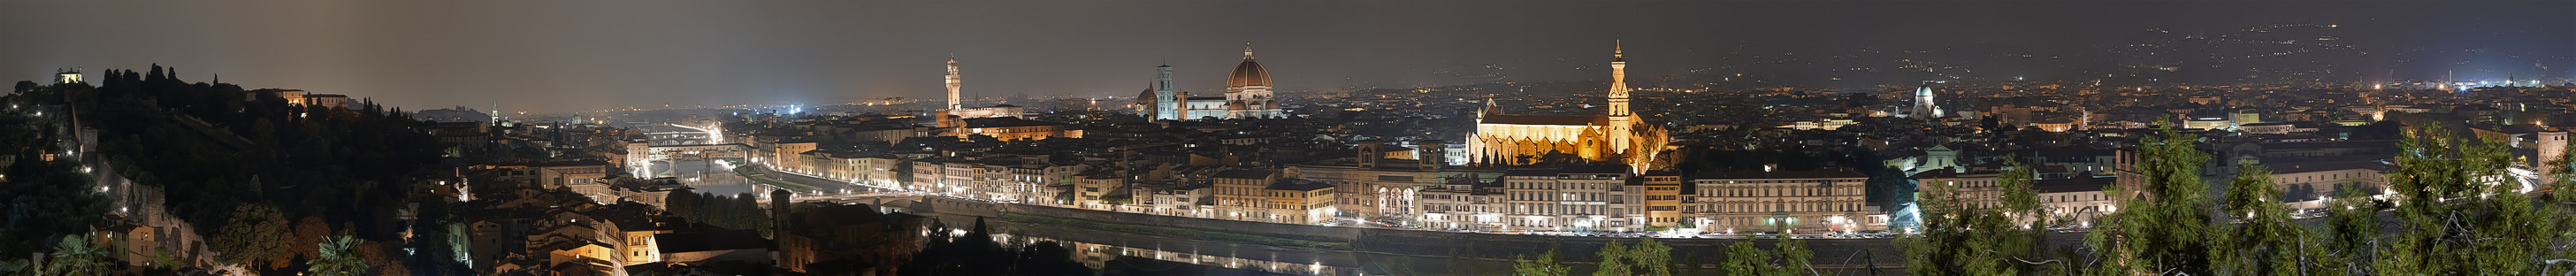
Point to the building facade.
(1568, 199)
(1801, 202)
(1247, 95)
(1616, 135)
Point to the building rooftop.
(1821, 173)
(1005, 122)
(1559, 120)
(710, 241)
(1292, 184)
(2079, 184)
(1244, 174)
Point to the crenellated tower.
(954, 82)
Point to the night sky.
(566, 55)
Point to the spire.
(1247, 50)
(952, 58)
(1617, 51)
(1490, 107)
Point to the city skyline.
(542, 58)
(1542, 138)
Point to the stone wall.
(1847, 255)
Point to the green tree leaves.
(2452, 208)
(1959, 239)
(1648, 257)
(78, 255)
(254, 236)
(2261, 239)
(2461, 212)
(339, 256)
(1545, 265)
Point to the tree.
(254, 236)
(2263, 240)
(2164, 229)
(1743, 259)
(2352, 231)
(1651, 257)
(1545, 265)
(1612, 255)
(78, 255)
(2562, 210)
(40, 201)
(2020, 200)
(2460, 211)
(309, 235)
(339, 255)
(1959, 239)
(384, 259)
(1648, 257)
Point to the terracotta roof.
(1248, 73)
(1244, 174)
(1293, 184)
(710, 241)
(1823, 173)
(1567, 120)
(2079, 184)
(1005, 122)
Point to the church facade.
(1247, 95)
(1615, 136)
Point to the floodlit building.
(1801, 201)
(956, 110)
(1582, 198)
(1247, 95)
(1616, 136)
(1268, 196)
(1462, 203)
(1924, 107)
(1661, 198)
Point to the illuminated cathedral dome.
(1249, 73)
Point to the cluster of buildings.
(1539, 172)
(1558, 170)
(582, 196)
(1247, 95)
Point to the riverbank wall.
(1834, 254)
(1292, 231)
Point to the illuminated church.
(1505, 139)
(1247, 95)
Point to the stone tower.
(1620, 120)
(1167, 106)
(2551, 146)
(953, 83)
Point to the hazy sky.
(563, 55)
